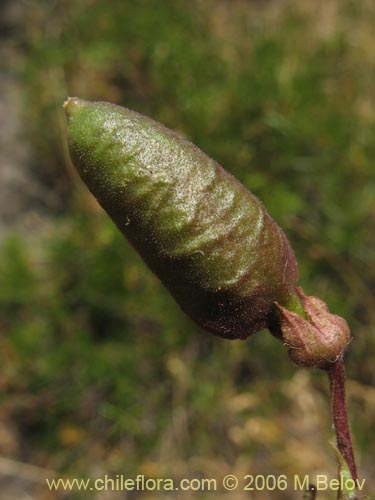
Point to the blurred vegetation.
(101, 372)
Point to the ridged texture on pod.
(209, 240)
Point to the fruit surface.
(209, 240)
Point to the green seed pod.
(209, 240)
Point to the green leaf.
(348, 490)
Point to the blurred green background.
(100, 371)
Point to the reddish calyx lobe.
(317, 340)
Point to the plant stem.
(336, 374)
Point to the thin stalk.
(336, 374)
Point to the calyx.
(317, 340)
